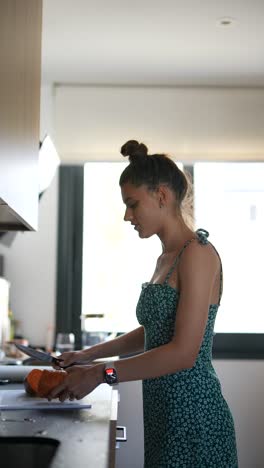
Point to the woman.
(187, 422)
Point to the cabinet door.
(113, 421)
(20, 62)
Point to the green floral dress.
(187, 422)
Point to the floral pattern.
(187, 422)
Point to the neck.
(174, 235)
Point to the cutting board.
(19, 400)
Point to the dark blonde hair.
(153, 170)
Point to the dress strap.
(179, 256)
(202, 236)
(221, 277)
(176, 261)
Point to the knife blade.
(39, 355)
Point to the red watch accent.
(110, 374)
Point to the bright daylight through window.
(228, 202)
(115, 260)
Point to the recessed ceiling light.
(226, 21)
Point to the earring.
(160, 204)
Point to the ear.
(162, 195)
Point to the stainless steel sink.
(27, 452)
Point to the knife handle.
(57, 363)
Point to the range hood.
(26, 183)
(10, 219)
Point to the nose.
(128, 215)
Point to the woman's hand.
(79, 382)
(74, 357)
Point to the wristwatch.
(110, 374)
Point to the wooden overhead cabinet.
(20, 75)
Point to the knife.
(39, 355)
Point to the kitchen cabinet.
(20, 62)
(130, 413)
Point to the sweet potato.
(31, 382)
(40, 382)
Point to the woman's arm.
(197, 271)
(131, 342)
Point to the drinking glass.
(64, 342)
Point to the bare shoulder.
(199, 257)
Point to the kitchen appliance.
(48, 162)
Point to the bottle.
(49, 338)
(12, 325)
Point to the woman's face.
(142, 209)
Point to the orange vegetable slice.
(40, 382)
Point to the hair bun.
(133, 149)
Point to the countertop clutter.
(82, 438)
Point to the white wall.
(47, 111)
(92, 122)
(30, 266)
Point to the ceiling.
(153, 42)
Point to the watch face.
(110, 375)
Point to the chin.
(144, 235)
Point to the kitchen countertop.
(84, 434)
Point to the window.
(228, 202)
(115, 260)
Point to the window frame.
(69, 251)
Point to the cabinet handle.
(124, 438)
